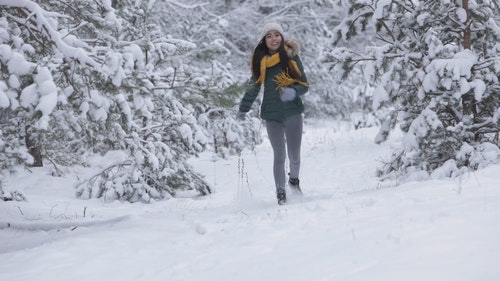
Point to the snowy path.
(343, 229)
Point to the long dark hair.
(261, 51)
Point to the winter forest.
(159, 81)
(121, 156)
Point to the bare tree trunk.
(33, 149)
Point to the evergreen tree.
(206, 77)
(97, 82)
(32, 50)
(437, 68)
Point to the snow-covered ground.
(346, 227)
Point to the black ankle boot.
(281, 195)
(294, 185)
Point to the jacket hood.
(293, 47)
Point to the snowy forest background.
(157, 82)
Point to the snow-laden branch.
(39, 17)
(187, 6)
(342, 30)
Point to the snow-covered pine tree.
(14, 70)
(107, 96)
(212, 85)
(147, 119)
(29, 91)
(436, 65)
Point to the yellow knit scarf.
(283, 79)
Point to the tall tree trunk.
(467, 40)
(468, 100)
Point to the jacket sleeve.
(251, 91)
(300, 89)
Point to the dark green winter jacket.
(272, 108)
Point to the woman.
(275, 64)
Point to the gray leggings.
(285, 136)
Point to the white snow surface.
(347, 226)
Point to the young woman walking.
(276, 65)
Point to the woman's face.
(273, 41)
